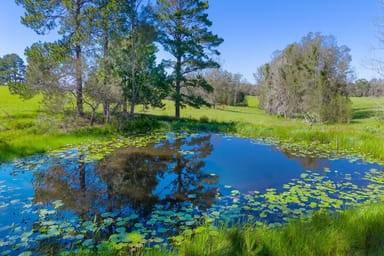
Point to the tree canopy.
(307, 79)
(12, 69)
(183, 32)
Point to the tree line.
(106, 54)
(365, 88)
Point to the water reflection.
(307, 162)
(132, 179)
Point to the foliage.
(364, 88)
(12, 72)
(47, 75)
(141, 79)
(183, 32)
(309, 77)
(228, 88)
(70, 17)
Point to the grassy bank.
(352, 232)
(363, 135)
(27, 128)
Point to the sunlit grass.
(25, 127)
(362, 135)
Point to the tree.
(307, 79)
(134, 61)
(360, 88)
(108, 24)
(70, 16)
(47, 74)
(228, 88)
(12, 69)
(183, 32)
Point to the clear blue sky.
(254, 29)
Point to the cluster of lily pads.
(52, 229)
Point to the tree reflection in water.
(127, 180)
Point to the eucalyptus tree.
(183, 32)
(70, 18)
(228, 88)
(308, 79)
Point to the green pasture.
(27, 128)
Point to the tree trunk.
(79, 70)
(177, 100)
(178, 88)
(133, 65)
(107, 111)
(107, 72)
(79, 83)
(132, 111)
(125, 106)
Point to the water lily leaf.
(120, 230)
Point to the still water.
(162, 189)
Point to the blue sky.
(254, 29)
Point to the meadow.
(27, 128)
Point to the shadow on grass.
(150, 123)
(7, 152)
(362, 113)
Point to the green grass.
(25, 128)
(363, 135)
(352, 232)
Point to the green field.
(27, 128)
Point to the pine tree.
(183, 32)
(70, 19)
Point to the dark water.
(182, 174)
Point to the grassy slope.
(363, 135)
(25, 128)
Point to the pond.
(149, 190)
